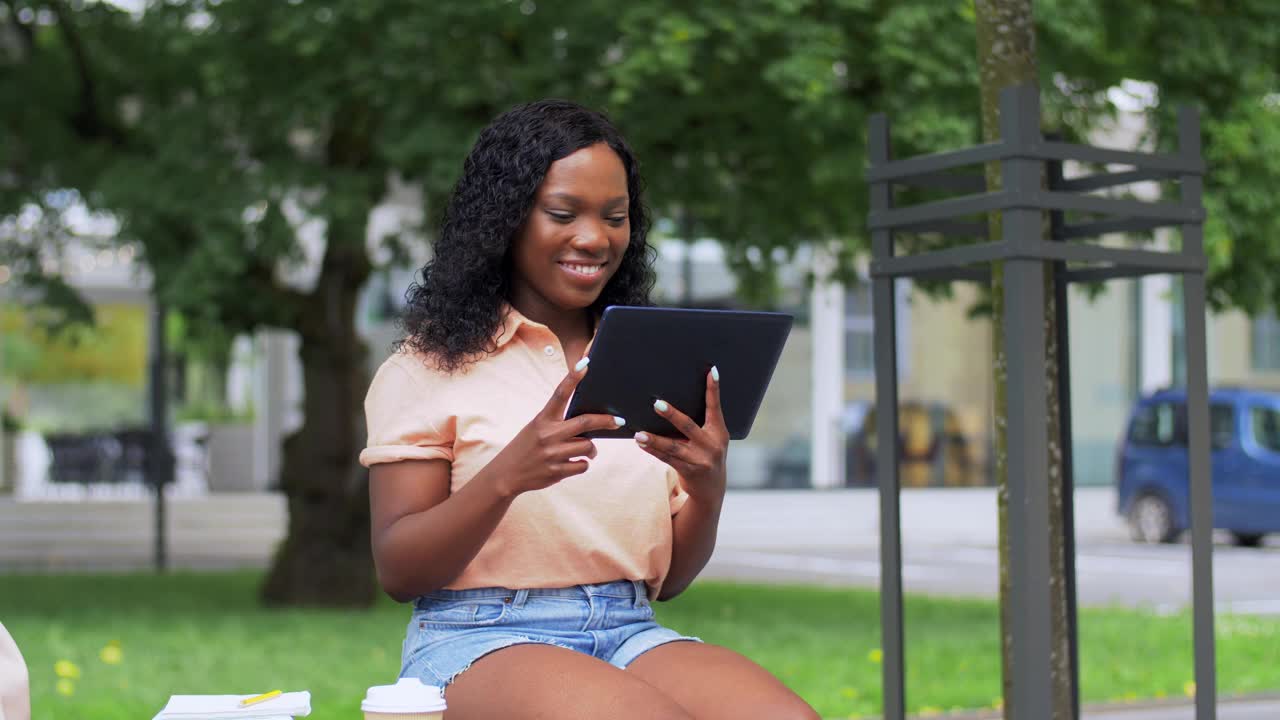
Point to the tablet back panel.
(642, 354)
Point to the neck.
(570, 325)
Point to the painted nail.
(619, 421)
(582, 364)
(661, 405)
(715, 373)
(642, 437)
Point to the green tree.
(211, 129)
(1232, 77)
(200, 126)
(1006, 45)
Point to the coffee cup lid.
(408, 695)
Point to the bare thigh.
(714, 683)
(528, 682)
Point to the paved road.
(832, 537)
(1260, 707)
(1246, 580)
(949, 547)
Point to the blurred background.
(256, 184)
(210, 211)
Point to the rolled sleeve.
(401, 421)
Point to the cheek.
(536, 243)
(620, 239)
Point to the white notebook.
(227, 707)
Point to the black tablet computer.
(641, 354)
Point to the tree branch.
(88, 119)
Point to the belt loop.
(521, 597)
(642, 593)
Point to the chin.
(576, 300)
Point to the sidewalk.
(237, 530)
(1264, 706)
(845, 519)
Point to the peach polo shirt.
(612, 522)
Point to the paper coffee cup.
(408, 699)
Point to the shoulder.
(406, 366)
(412, 370)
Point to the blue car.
(1244, 434)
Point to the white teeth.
(584, 269)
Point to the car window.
(1265, 424)
(1154, 424)
(1222, 426)
(1165, 424)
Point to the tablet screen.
(642, 354)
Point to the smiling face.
(575, 235)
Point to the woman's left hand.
(700, 457)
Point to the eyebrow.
(574, 199)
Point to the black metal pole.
(1198, 464)
(886, 362)
(1028, 487)
(159, 460)
(1065, 437)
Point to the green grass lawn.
(136, 639)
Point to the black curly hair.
(453, 314)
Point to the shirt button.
(549, 351)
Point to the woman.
(532, 554)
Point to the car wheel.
(1246, 539)
(1151, 520)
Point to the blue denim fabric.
(451, 629)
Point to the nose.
(591, 237)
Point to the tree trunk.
(1007, 56)
(326, 559)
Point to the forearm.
(694, 531)
(424, 551)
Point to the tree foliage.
(215, 131)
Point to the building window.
(1265, 343)
(859, 330)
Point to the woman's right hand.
(540, 455)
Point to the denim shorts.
(451, 629)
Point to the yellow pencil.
(259, 698)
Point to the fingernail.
(715, 373)
(661, 405)
(582, 364)
(619, 421)
(642, 437)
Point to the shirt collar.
(512, 319)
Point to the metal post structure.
(886, 369)
(1026, 430)
(1024, 154)
(1200, 470)
(1062, 327)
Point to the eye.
(617, 220)
(560, 216)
